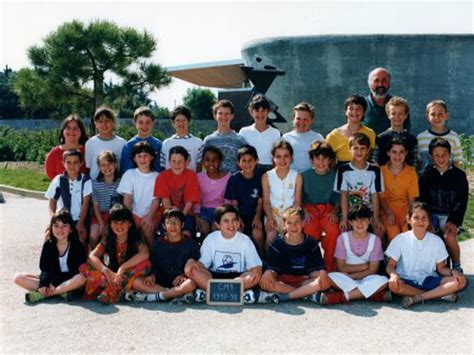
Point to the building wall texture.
(324, 70)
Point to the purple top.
(212, 190)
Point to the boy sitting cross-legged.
(295, 265)
(169, 255)
(226, 254)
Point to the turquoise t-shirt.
(318, 189)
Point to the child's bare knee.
(18, 278)
(394, 287)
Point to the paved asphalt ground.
(80, 327)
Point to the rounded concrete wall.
(324, 70)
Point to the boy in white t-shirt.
(302, 136)
(260, 134)
(137, 186)
(105, 139)
(416, 263)
(226, 254)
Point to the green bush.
(28, 145)
(467, 143)
(24, 145)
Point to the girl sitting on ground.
(358, 255)
(61, 256)
(417, 263)
(117, 260)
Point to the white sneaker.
(267, 297)
(200, 296)
(189, 298)
(451, 298)
(136, 296)
(249, 297)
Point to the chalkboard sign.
(222, 292)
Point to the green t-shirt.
(318, 189)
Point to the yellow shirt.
(340, 143)
(399, 189)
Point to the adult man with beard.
(375, 115)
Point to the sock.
(284, 297)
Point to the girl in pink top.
(213, 183)
(72, 136)
(358, 255)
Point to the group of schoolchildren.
(253, 206)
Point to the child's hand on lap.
(271, 223)
(390, 217)
(334, 217)
(344, 224)
(450, 229)
(179, 280)
(256, 223)
(268, 280)
(149, 280)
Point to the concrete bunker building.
(325, 69)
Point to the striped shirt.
(105, 194)
(228, 144)
(424, 139)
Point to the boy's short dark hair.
(222, 210)
(439, 142)
(419, 205)
(359, 138)
(397, 101)
(356, 99)
(143, 147)
(305, 107)
(281, 144)
(258, 102)
(143, 111)
(397, 141)
(247, 149)
(173, 212)
(223, 104)
(359, 211)
(72, 153)
(177, 149)
(181, 110)
(104, 111)
(322, 148)
(436, 103)
(293, 211)
(213, 149)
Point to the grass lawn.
(468, 224)
(25, 179)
